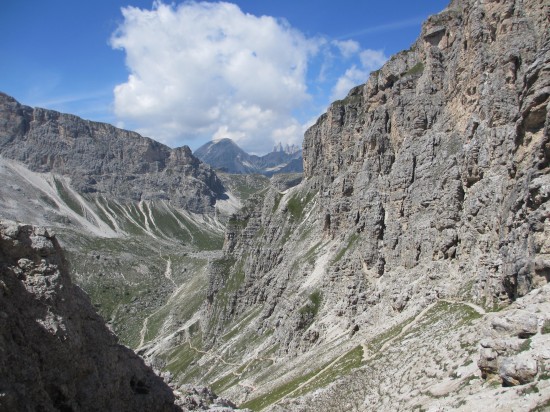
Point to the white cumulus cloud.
(208, 70)
(347, 47)
(370, 60)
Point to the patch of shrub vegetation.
(416, 69)
(49, 201)
(310, 309)
(349, 100)
(68, 198)
(235, 221)
(279, 392)
(525, 345)
(296, 205)
(351, 240)
(340, 367)
(276, 203)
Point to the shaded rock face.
(443, 155)
(100, 158)
(56, 352)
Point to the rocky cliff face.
(435, 170)
(427, 184)
(57, 354)
(442, 156)
(102, 159)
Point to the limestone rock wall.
(443, 154)
(429, 181)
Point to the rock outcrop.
(100, 158)
(203, 399)
(515, 349)
(56, 352)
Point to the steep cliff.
(105, 160)
(443, 155)
(428, 184)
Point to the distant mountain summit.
(226, 155)
(288, 149)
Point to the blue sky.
(257, 71)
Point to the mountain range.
(407, 269)
(225, 155)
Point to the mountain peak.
(223, 140)
(288, 148)
(224, 154)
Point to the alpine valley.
(407, 268)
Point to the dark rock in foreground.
(56, 354)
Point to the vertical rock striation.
(443, 154)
